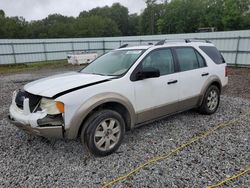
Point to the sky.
(39, 9)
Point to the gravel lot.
(28, 161)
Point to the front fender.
(91, 104)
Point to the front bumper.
(28, 121)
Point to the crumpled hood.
(53, 85)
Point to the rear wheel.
(210, 101)
(104, 133)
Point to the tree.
(175, 16)
(54, 26)
(133, 25)
(213, 16)
(93, 26)
(2, 13)
(14, 27)
(150, 16)
(59, 26)
(151, 4)
(37, 29)
(117, 13)
(234, 13)
(182, 16)
(2, 23)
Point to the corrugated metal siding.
(32, 50)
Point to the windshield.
(113, 63)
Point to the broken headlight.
(51, 106)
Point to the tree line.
(175, 16)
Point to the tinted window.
(187, 59)
(161, 59)
(213, 53)
(201, 60)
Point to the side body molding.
(209, 81)
(91, 104)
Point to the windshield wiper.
(98, 74)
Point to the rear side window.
(202, 62)
(187, 58)
(213, 53)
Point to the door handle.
(205, 74)
(172, 82)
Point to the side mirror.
(148, 72)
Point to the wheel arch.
(217, 84)
(212, 80)
(112, 101)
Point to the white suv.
(121, 90)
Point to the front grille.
(33, 99)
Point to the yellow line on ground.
(230, 178)
(174, 151)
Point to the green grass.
(13, 68)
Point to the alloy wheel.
(107, 134)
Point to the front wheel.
(105, 132)
(210, 101)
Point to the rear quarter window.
(213, 53)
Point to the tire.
(104, 133)
(210, 101)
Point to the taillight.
(226, 71)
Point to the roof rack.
(181, 40)
(123, 46)
(199, 40)
(126, 45)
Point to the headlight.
(52, 107)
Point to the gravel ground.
(28, 161)
(239, 83)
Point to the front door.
(156, 97)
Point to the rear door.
(193, 74)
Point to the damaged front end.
(37, 115)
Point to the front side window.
(114, 63)
(187, 59)
(161, 59)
